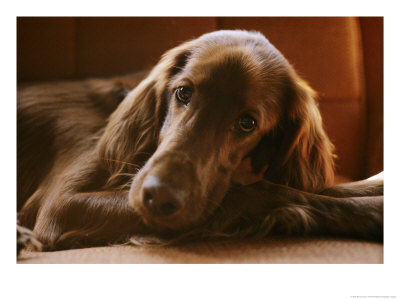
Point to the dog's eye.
(246, 124)
(183, 95)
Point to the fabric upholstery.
(272, 251)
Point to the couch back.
(341, 58)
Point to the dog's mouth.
(175, 221)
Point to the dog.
(221, 138)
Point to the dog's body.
(220, 138)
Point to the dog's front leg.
(360, 188)
(265, 208)
(87, 219)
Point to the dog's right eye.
(246, 124)
(183, 95)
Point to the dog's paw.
(26, 239)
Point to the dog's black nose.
(159, 199)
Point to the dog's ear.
(132, 132)
(297, 151)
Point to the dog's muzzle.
(166, 193)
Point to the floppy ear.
(132, 132)
(297, 151)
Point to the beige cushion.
(273, 251)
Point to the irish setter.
(221, 138)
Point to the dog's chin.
(170, 224)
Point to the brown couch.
(341, 58)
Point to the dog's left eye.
(246, 124)
(183, 95)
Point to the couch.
(341, 58)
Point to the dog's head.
(226, 107)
